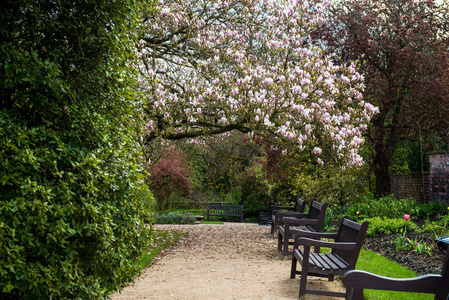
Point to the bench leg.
(286, 240)
(294, 265)
(304, 271)
(303, 281)
(354, 294)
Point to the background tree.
(404, 49)
(170, 176)
(73, 194)
(224, 159)
(209, 67)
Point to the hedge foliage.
(72, 190)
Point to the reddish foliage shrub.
(171, 176)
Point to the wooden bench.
(343, 257)
(356, 281)
(264, 217)
(224, 210)
(298, 207)
(291, 225)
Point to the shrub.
(170, 178)
(369, 207)
(254, 192)
(430, 209)
(331, 184)
(437, 228)
(379, 225)
(72, 193)
(174, 218)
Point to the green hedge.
(71, 184)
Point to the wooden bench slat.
(314, 261)
(321, 261)
(329, 264)
(342, 265)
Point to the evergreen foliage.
(70, 176)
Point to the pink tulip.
(406, 217)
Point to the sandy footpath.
(230, 261)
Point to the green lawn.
(372, 262)
(213, 222)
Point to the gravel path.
(230, 261)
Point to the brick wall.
(433, 187)
(439, 177)
(410, 186)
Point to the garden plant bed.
(419, 263)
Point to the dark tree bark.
(403, 50)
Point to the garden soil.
(230, 261)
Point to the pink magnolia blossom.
(214, 64)
(317, 150)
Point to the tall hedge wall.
(72, 195)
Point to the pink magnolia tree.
(212, 66)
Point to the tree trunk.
(381, 162)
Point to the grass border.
(373, 262)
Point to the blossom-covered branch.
(209, 67)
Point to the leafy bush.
(331, 184)
(170, 177)
(174, 218)
(430, 209)
(330, 218)
(384, 225)
(73, 194)
(254, 192)
(437, 228)
(388, 207)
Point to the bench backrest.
(300, 204)
(350, 231)
(224, 209)
(317, 211)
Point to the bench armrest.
(307, 242)
(289, 221)
(290, 214)
(356, 279)
(278, 207)
(314, 235)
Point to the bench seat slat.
(314, 261)
(321, 262)
(328, 262)
(338, 261)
